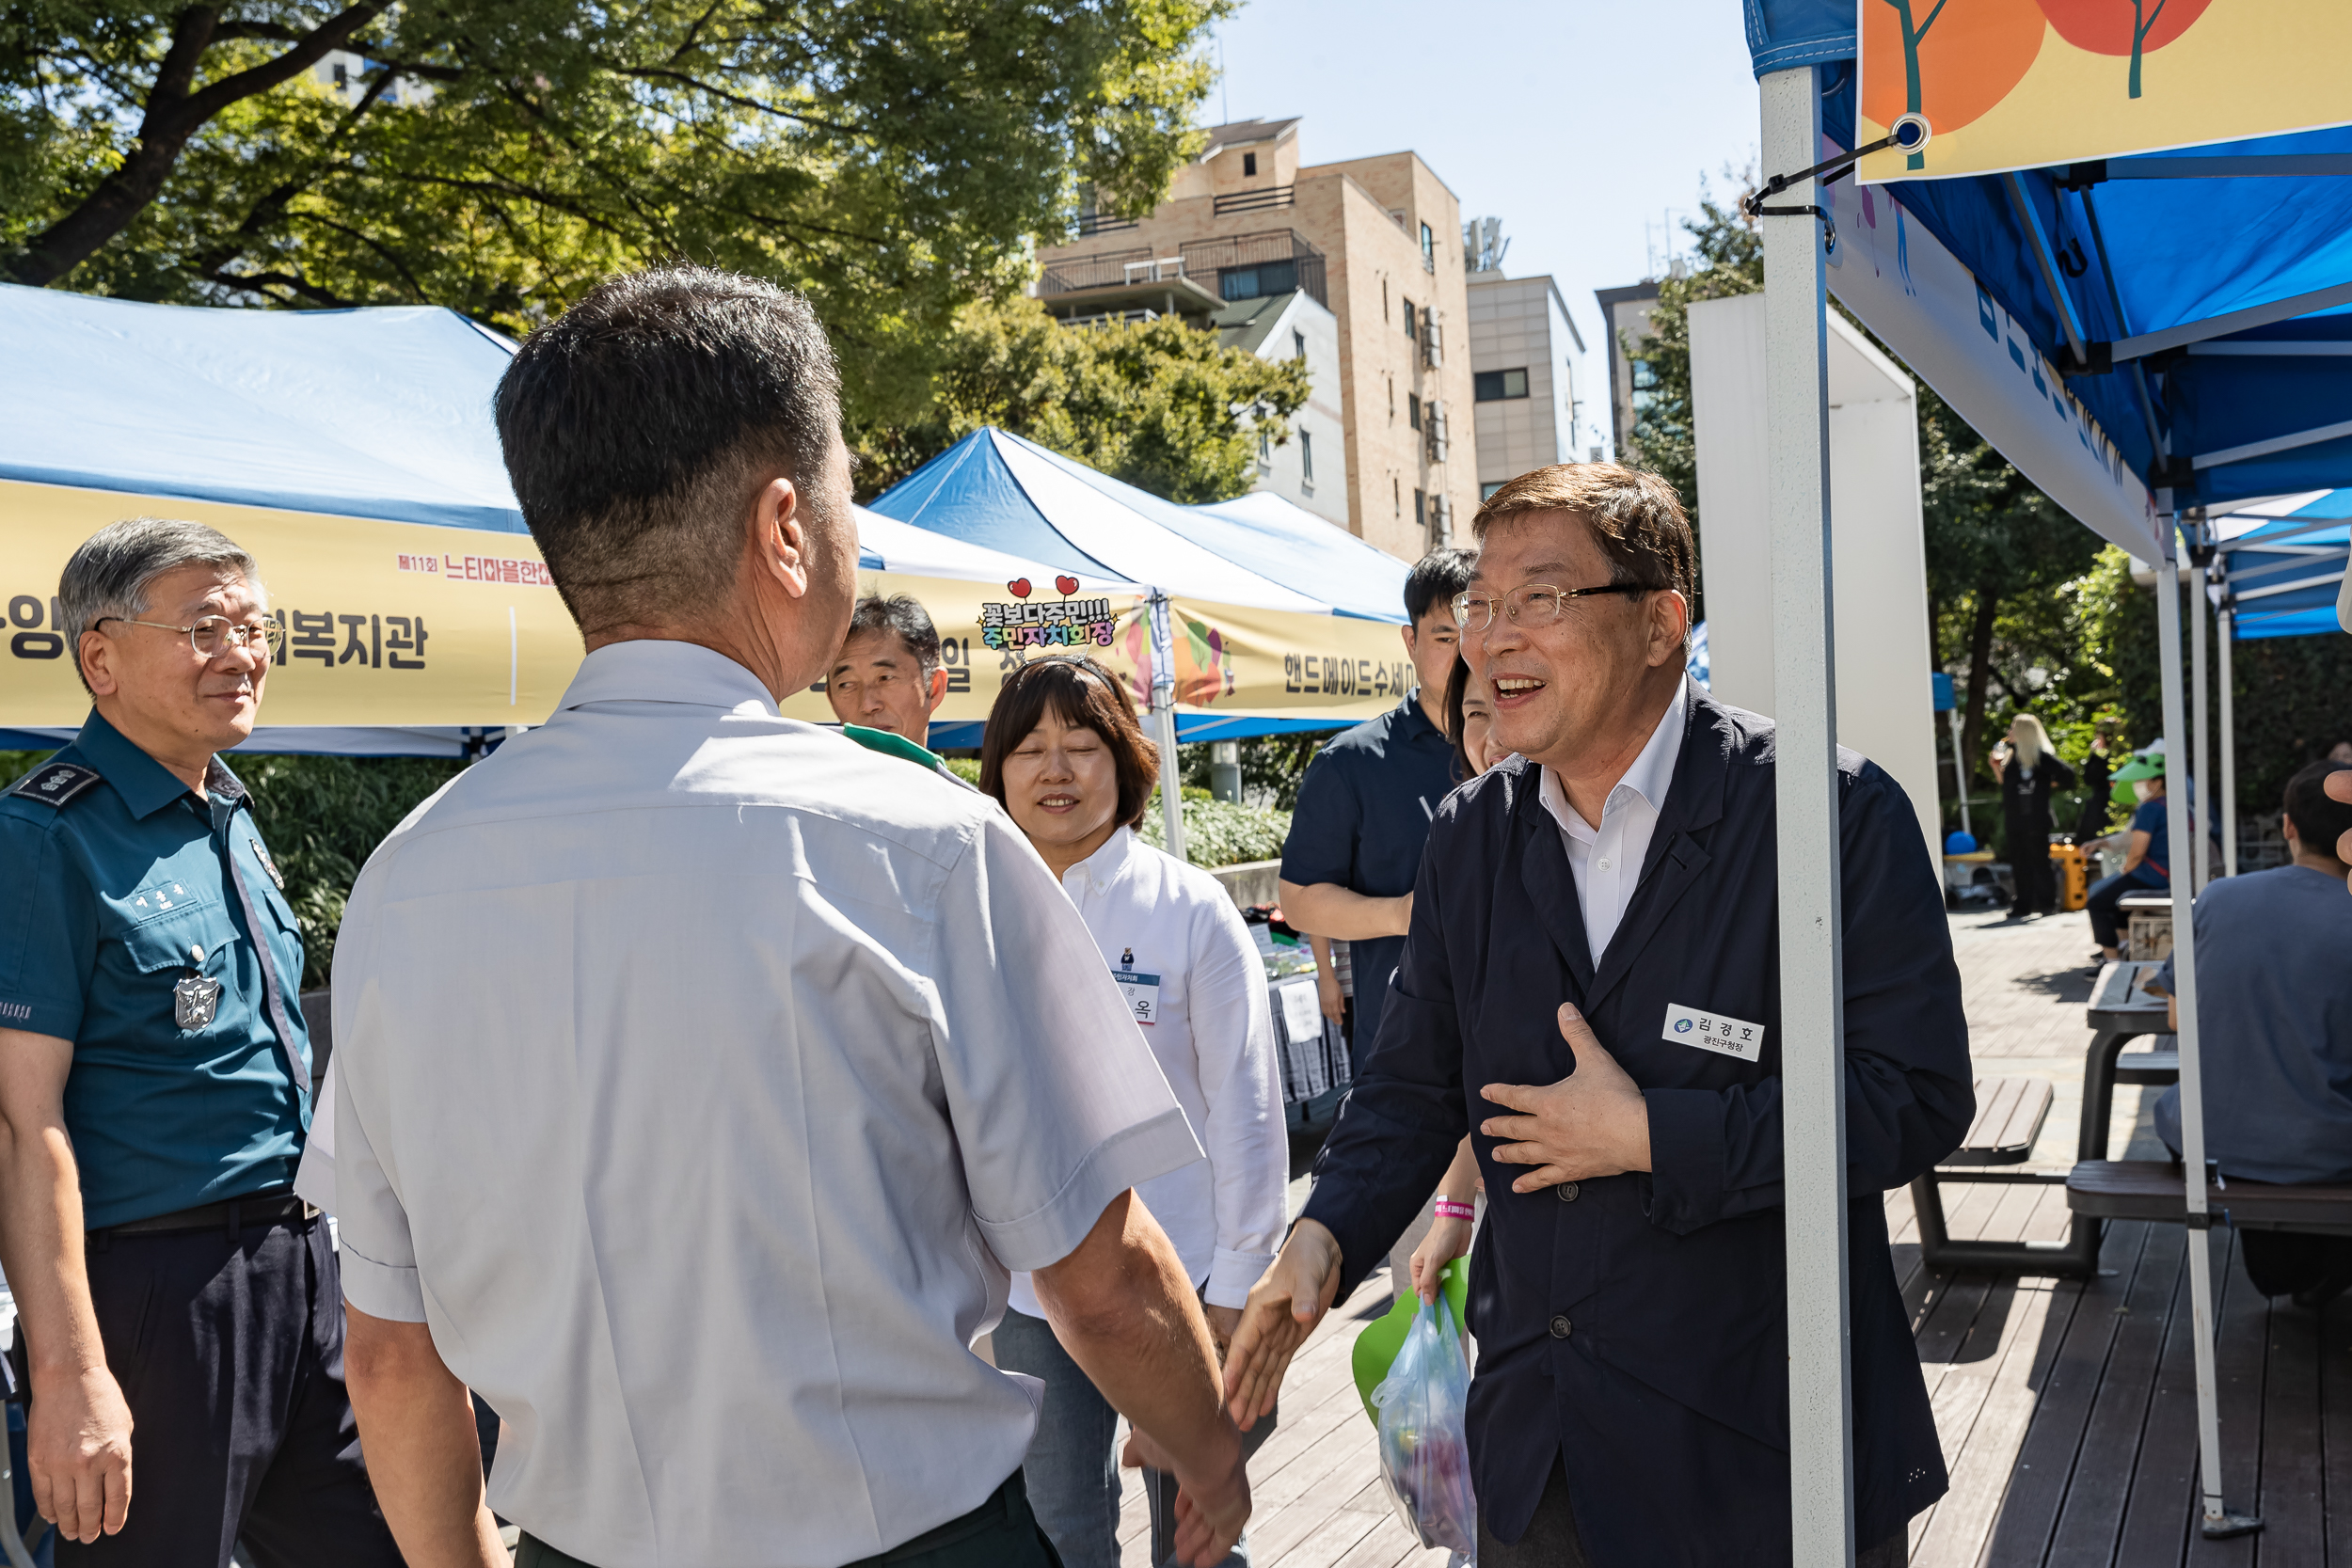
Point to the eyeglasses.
(1533, 604)
(214, 634)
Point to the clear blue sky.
(1578, 123)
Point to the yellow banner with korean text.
(2025, 83)
(393, 624)
(411, 624)
(1229, 659)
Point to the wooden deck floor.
(2067, 1408)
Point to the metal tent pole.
(1164, 724)
(2225, 628)
(2200, 737)
(2218, 1521)
(1812, 1007)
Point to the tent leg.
(2200, 736)
(2218, 1519)
(2225, 628)
(1812, 1008)
(1164, 724)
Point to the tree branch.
(740, 102)
(173, 115)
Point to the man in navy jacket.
(1591, 988)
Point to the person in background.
(2274, 992)
(2028, 770)
(1066, 757)
(1364, 808)
(2097, 780)
(179, 1308)
(888, 675)
(1470, 716)
(2339, 785)
(756, 1060)
(1580, 904)
(2147, 855)
(1454, 1210)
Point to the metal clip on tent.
(1909, 133)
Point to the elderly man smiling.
(1590, 989)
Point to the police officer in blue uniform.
(1609, 1038)
(179, 1310)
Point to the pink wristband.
(1449, 1209)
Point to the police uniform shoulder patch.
(55, 783)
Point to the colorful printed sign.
(2025, 83)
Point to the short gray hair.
(109, 575)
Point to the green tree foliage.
(2003, 560)
(2292, 696)
(322, 817)
(890, 157)
(1156, 403)
(1730, 262)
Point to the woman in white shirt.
(1065, 756)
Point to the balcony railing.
(1103, 223)
(1264, 199)
(1235, 266)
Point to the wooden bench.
(2157, 1189)
(2010, 1113)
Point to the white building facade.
(1535, 402)
(1310, 468)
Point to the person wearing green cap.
(2147, 855)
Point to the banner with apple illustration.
(2025, 83)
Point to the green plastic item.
(1376, 1346)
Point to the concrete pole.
(1812, 1002)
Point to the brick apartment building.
(1377, 242)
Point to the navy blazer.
(1637, 1326)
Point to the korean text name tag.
(1725, 1037)
(1142, 992)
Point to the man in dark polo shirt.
(1365, 806)
(179, 1306)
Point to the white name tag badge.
(1302, 1010)
(1142, 992)
(1723, 1036)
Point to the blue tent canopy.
(2280, 577)
(997, 490)
(2210, 294)
(379, 413)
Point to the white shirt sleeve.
(1057, 1104)
(377, 1258)
(1246, 1139)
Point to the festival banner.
(2025, 83)
(1229, 659)
(390, 624)
(410, 625)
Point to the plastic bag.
(1424, 1457)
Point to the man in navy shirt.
(155, 1095)
(1365, 806)
(2274, 994)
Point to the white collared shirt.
(1170, 934)
(702, 1075)
(1606, 860)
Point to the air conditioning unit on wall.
(1441, 520)
(1432, 340)
(1433, 429)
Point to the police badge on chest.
(195, 1001)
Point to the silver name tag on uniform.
(195, 1002)
(1725, 1037)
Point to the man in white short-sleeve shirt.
(703, 1075)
